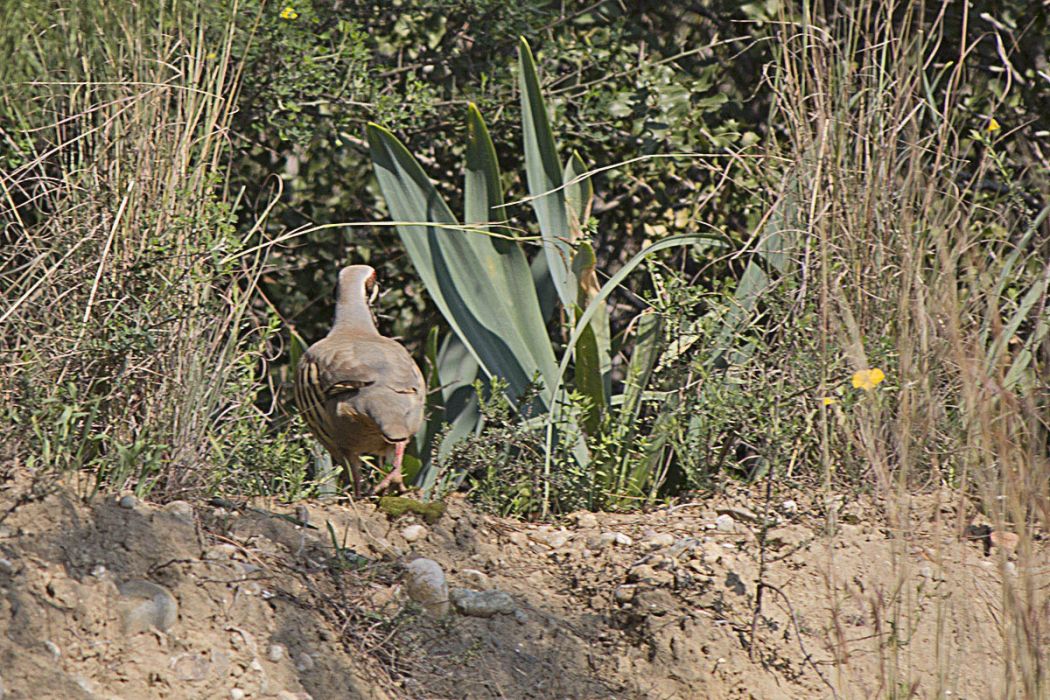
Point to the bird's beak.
(374, 294)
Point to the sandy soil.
(124, 599)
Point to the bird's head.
(358, 281)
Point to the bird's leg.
(394, 477)
(355, 472)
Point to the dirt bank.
(125, 599)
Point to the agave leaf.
(509, 274)
(640, 368)
(470, 281)
(771, 253)
(483, 193)
(597, 303)
(578, 194)
(457, 370)
(593, 369)
(434, 410)
(1005, 273)
(544, 175)
(1034, 298)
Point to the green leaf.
(544, 175)
(593, 368)
(640, 368)
(578, 194)
(597, 304)
(470, 281)
(772, 253)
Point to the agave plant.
(497, 301)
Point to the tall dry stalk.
(128, 335)
(927, 259)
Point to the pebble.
(624, 594)
(6, 567)
(586, 521)
(482, 603)
(725, 523)
(414, 533)
(181, 510)
(144, 604)
(643, 573)
(789, 536)
(518, 538)
(220, 551)
(789, 507)
(475, 579)
(304, 662)
(191, 666)
(128, 502)
(52, 649)
(236, 694)
(520, 616)
(275, 653)
(616, 538)
(742, 514)
(425, 584)
(663, 539)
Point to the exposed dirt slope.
(656, 605)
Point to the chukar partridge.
(359, 392)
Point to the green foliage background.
(680, 106)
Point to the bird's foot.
(393, 478)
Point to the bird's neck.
(353, 314)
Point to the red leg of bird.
(394, 477)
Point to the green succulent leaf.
(544, 174)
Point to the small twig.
(765, 525)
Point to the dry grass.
(925, 259)
(130, 339)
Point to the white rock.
(557, 540)
(414, 533)
(789, 507)
(181, 510)
(236, 694)
(586, 521)
(725, 523)
(616, 538)
(425, 584)
(304, 662)
(275, 652)
(661, 539)
(482, 604)
(220, 551)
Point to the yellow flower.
(211, 56)
(828, 401)
(289, 13)
(993, 126)
(867, 379)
